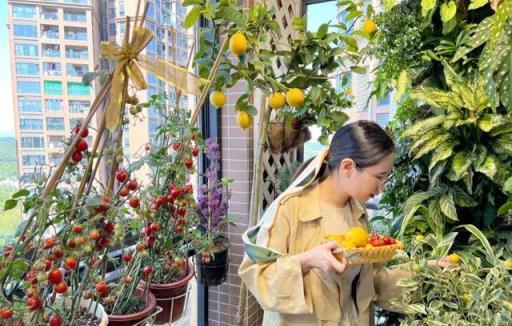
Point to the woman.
(290, 270)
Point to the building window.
(25, 30)
(382, 119)
(49, 14)
(76, 70)
(29, 105)
(32, 142)
(111, 13)
(28, 87)
(78, 106)
(75, 33)
(77, 52)
(51, 69)
(121, 7)
(31, 124)
(26, 50)
(112, 29)
(24, 11)
(54, 123)
(33, 159)
(84, 2)
(50, 32)
(25, 68)
(50, 50)
(56, 142)
(78, 89)
(122, 30)
(385, 100)
(75, 16)
(52, 87)
(53, 105)
(55, 158)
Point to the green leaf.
(503, 144)
(475, 4)
(483, 240)
(461, 198)
(388, 4)
(441, 153)
(412, 204)
(353, 14)
(415, 308)
(489, 167)
(322, 30)
(299, 23)
(187, 3)
(507, 187)
(21, 193)
(422, 126)
(490, 121)
(10, 204)
(505, 208)
(448, 11)
(448, 206)
(402, 83)
(460, 165)
(358, 69)
(426, 6)
(431, 145)
(192, 17)
(232, 14)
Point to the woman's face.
(366, 183)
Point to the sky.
(320, 13)
(6, 112)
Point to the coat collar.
(310, 205)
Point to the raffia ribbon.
(130, 62)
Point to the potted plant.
(167, 208)
(213, 249)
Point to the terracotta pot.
(282, 138)
(171, 297)
(132, 319)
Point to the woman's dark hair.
(363, 141)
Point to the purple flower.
(214, 197)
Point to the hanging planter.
(171, 297)
(283, 138)
(136, 317)
(212, 268)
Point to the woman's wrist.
(304, 263)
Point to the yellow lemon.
(348, 244)
(419, 238)
(508, 264)
(238, 44)
(217, 99)
(276, 100)
(369, 26)
(358, 236)
(244, 119)
(348, 91)
(295, 97)
(454, 259)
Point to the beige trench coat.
(287, 296)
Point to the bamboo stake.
(256, 191)
(211, 77)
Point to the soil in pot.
(139, 310)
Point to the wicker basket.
(367, 255)
(282, 138)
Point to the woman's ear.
(347, 167)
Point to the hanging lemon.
(369, 26)
(238, 44)
(244, 119)
(348, 91)
(217, 99)
(295, 97)
(276, 100)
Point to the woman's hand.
(321, 257)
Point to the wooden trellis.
(285, 13)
